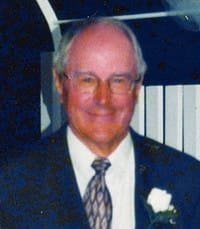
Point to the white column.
(192, 120)
(174, 116)
(137, 121)
(154, 112)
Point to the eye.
(86, 80)
(119, 80)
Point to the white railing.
(171, 115)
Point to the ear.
(58, 84)
(138, 88)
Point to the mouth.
(101, 113)
(105, 115)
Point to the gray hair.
(61, 56)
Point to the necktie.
(97, 199)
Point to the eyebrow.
(84, 73)
(129, 75)
(121, 74)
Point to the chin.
(105, 136)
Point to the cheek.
(126, 102)
(74, 102)
(126, 108)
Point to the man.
(96, 172)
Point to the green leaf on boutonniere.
(160, 214)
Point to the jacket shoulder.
(156, 150)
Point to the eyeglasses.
(119, 84)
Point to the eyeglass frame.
(133, 82)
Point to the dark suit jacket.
(39, 189)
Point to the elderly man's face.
(100, 118)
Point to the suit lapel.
(61, 183)
(145, 178)
(141, 183)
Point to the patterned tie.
(97, 199)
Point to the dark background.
(172, 54)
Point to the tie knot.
(100, 165)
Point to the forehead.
(101, 46)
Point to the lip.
(101, 114)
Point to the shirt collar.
(121, 156)
(82, 157)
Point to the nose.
(103, 93)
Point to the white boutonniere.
(159, 207)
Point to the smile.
(102, 115)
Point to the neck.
(101, 150)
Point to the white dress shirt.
(120, 177)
